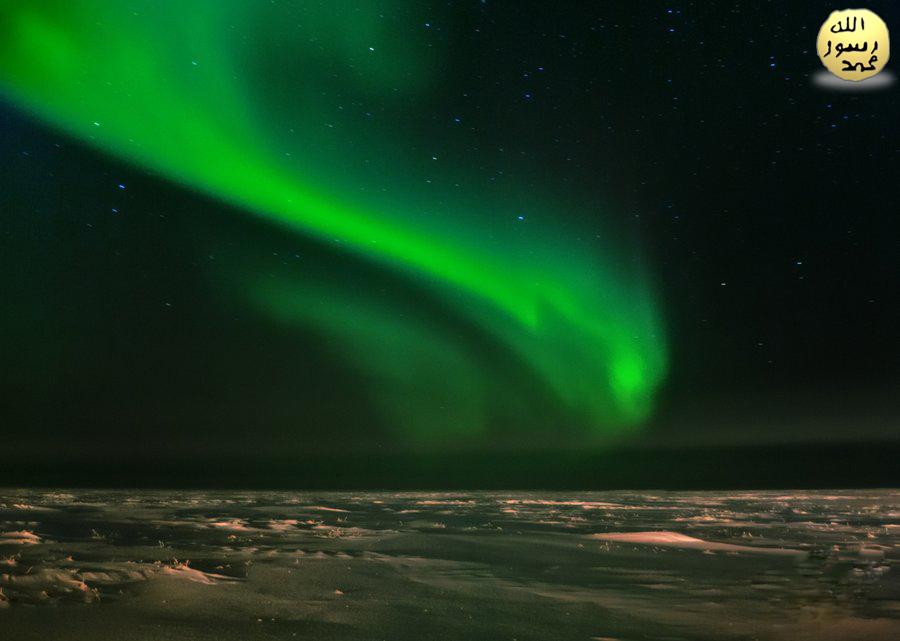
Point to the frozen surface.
(104, 565)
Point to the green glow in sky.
(285, 110)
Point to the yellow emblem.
(854, 44)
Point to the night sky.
(443, 244)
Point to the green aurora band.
(245, 101)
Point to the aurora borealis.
(443, 244)
(295, 112)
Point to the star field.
(445, 225)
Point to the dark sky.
(764, 208)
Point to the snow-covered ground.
(613, 565)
